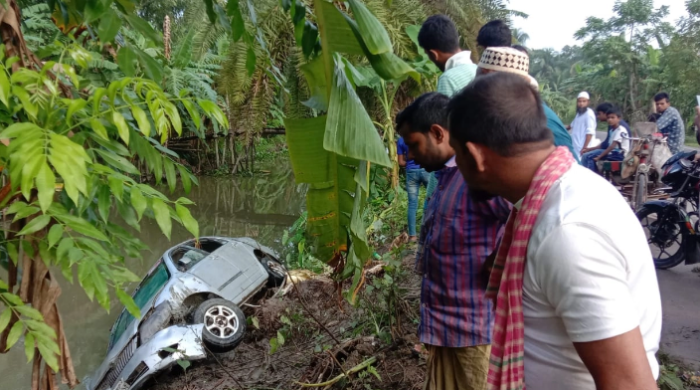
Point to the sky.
(552, 23)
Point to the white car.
(189, 303)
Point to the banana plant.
(332, 152)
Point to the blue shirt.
(402, 149)
(561, 136)
(457, 236)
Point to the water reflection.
(261, 207)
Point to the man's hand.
(596, 159)
(568, 127)
(618, 363)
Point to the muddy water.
(261, 207)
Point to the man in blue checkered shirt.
(670, 123)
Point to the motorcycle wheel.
(667, 242)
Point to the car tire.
(224, 324)
(275, 270)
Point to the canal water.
(261, 207)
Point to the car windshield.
(148, 288)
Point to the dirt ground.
(324, 337)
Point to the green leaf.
(64, 247)
(183, 53)
(82, 226)
(5, 319)
(55, 234)
(250, 61)
(256, 322)
(339, 37)
(46, 186)
(122, 127)
(274, 345)
(194, 113)
(16, 207)
(128, 303)
(25, 212)
(387, 65)
(185, 178)
(237, 23)
(151, 67)
(141, 120)
(305, 142)
(280, 338)
(170, 174)
(74, 106)
(109, 26)
(15, 334)
(29, 347)
(314, 73)
(184, 364)
(373, 33)
(210, 10)
(4, 88)
(144, 28)
(187, 220)
(162, 214)
(211, 109)
(99, 128)
(12, 252)
(29, 107)
(125, 60)
(30, 312)
(309, 38)
(348, 122)
(49, 356)
(35, 225)
(104, 202)
(138, 201)
(118, 162)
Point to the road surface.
(680, 298)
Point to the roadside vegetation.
(102, 101)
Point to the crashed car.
(189, 303)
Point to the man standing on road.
(584, 126)
(577, 302)
(457, 235)
(439, 38)
(415, 177)
(670, 123)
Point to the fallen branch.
(335, 380)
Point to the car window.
(185, 257)
(148, 288)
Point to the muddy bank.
(311, 336)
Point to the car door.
(233, 271)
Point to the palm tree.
(520, 37)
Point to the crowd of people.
(523, 284)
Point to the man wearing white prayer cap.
(584, 126)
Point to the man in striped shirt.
(459, 232)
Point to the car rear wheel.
(275, 270)
(224, 324)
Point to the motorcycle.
(673, 226)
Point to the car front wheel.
(224, 324)
(275, 270)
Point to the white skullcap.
(584, 95)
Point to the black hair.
(501, 111)
(615, 111)
(521, 48)
(495, 33)
(661, 96)
(428, 110)
(604, 107)
(439, 33)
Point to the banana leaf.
(375, 36)
(339, 36)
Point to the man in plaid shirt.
(458, 234)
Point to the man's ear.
(478, 154)
(433, 55)
(438, 133)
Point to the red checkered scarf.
(506, 371)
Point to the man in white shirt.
(584, 126)
(583, 306)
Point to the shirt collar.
(452, 162)
(461, 58)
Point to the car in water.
(189, 304)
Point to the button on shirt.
(457, 235)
